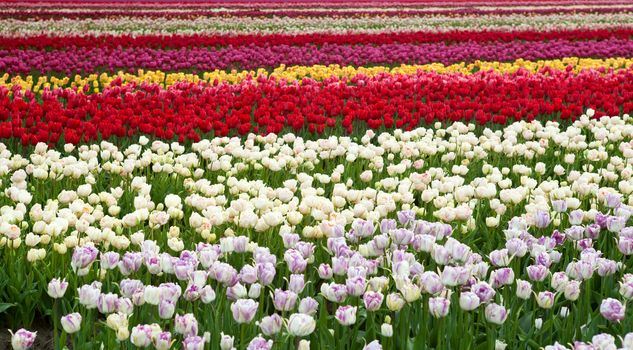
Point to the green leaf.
(5, 306)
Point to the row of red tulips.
(197, 40)
(186, 111)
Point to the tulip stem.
(62, 342)
(440, 333)
(243, 336)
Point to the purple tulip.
(271, 325)
(141, 336)
(537, 272)
(625, 245)
(128, 287)
(83, 257)
(22, 339)
(484, 291)
(373, 300)
(439, 306)
(71, 322)
(496, 313)
(541, 219)
(89, 295)
(224, 273)
(405, 216)
(559, 206)
(284, 300)
(545, 299)
(162, 341)
(109, 260)
(346, 315)
(244, 310)
(57, 288)
(187, 325)
(308, 306)
(166, 309)
(386, 225)
(107, 303)
(612, 309)
(193, 342)
(431, 283)
(259, 343)
(334, 292)
(130, 262)
(601, 220)
(613, 200)
(290, 239)
(266, 273)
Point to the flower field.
(300, 175)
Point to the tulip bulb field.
(343, 175)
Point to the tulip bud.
(226, 341)
(386, 330)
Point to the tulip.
(226, 341)
(244, 310)
(141, 336)
(541, 219)
(57, 288)
(572, 290)
(496, 314)
(22, 339)
(439, 306)
(346, 315)
(333, 292)
(372, 300)
(308, 306)
(356, 285)
(537, 272)
(325, 271)
(193, 342)
(484, 291)
(83, 257)
(162, 341)
(284, 300)
(395, 302)
(386, 330)
(166, 309)
(612, 309)
(259, 343)
(71, 322)
(271, 325)
(301, 325)
(468, 301)
(545, 299)
(107, 303)
(187, 325)
(374, 345)
(296, 283)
